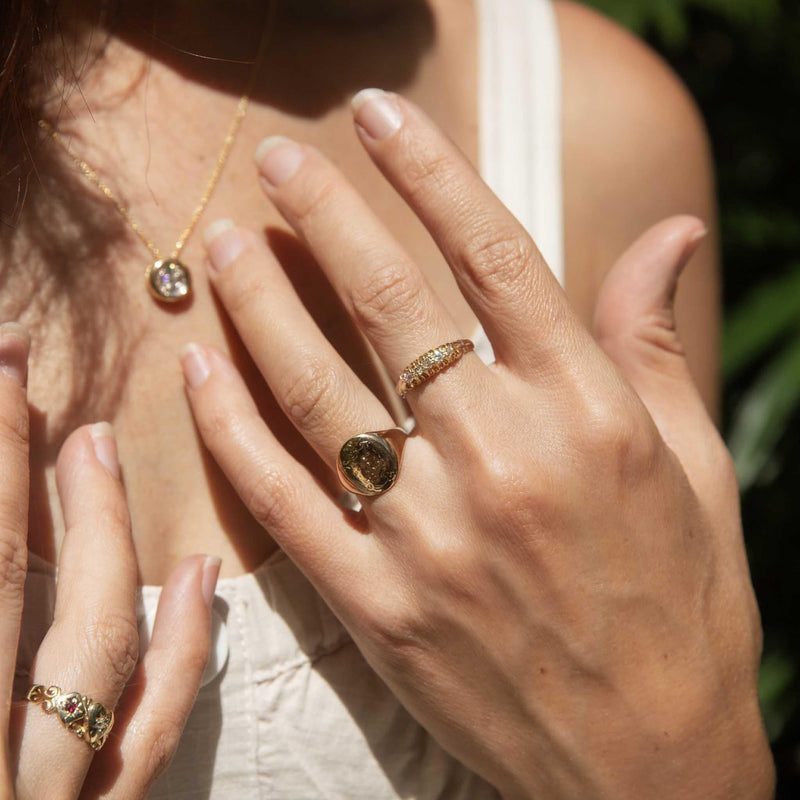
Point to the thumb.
(635, 325)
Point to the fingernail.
(698, 236)
(377, 113)
(278, 158)
(105, 447)
(15, 344)
(210, 576)
(693, 242)
(196, 367)
(224, 243)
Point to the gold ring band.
(431, 363)
(369, 463)
(86, 718)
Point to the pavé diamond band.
(431, 363)
(86, 718)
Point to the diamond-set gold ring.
(422, 369)
(86, 718)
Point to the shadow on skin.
(75, 233)
(54, 257)
(316, 53)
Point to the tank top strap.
(519, 97)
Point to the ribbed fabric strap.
(520, 116)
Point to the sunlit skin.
(145, 99)
(590, 529)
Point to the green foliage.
(769, 315)
(777, 675)
(669, 17)
(763, 416)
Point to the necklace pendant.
(168, 280)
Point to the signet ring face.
(369, 463)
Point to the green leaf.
(670, 20)
(669, 16)
(776, 676)
(764, 415)
(770, 313)
(757, 228)
(742, 12)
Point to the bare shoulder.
(635, 151)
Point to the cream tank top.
(289, 709)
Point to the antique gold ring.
(86, 718)
(369, 463)
(431, 363)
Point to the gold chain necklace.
(168, 279)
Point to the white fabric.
(520, 116)
(519, 93)
(291, 710)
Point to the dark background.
(741, 59)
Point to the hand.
(556, 588)
(92, 645)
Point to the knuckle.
(315, 199)
(194, 660)
(620, 437)
(499, 257)
(427, 173)
(309, 397)
(112, 517)
(243, 289)
(270, 497)
(164, 738)
(111, 645)
(13, 565)
(219, 423)
(392, 290)
(15, 427)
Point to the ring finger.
(382, 289)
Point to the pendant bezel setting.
(168, 280)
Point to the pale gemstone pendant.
(168, 280)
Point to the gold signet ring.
(369, 463)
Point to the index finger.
(14, 479)
(497, 265)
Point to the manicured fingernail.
(693, 242)
(278, 158)
(223, 242)
(377, 113)
(105, 447)
(14, 346)
(698, 236)
(210, 575)
(196, 367)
